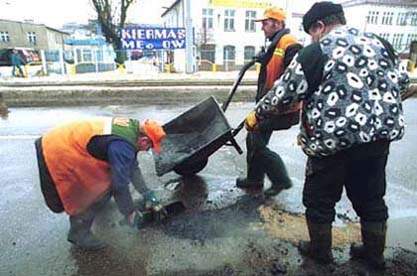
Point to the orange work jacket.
(80, 179)
(275, 66)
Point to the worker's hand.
(150, 200)
(251, 122)
(159, 212)
(135, 219)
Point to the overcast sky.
(54, 13)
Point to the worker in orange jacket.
(260, 159)
(83, 163)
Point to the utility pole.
(189, 68)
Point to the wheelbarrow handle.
(237, 82)
(236, 130)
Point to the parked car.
(28, 55)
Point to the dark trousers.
(261, 160)
(361, 170)
(18, 68)
(49, 191)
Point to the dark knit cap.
(319, 11)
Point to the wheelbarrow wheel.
(190, 167)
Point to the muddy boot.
(244, 183)
(275, 189)
(372, 249)
(80, 233)
(319, 248)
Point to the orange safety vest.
(274, 70)
(80, 179)
(275, 66)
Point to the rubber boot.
(372, 249)
(80, 232)
(244, 183)
(319, 248)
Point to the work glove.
(251, 122)
(135, 219)
(151, 200)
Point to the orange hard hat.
(273, 13)
(155, 132)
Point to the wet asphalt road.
(215, 230)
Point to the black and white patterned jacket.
(350, 84)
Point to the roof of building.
(31, 23)
(350, 3)
(170, 7)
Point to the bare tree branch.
(112, 15)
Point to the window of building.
(31, 36)
(414, 19)
(58, 38)
(397, 41)
(410, 37)
(250, 21)
(384, 18)
(387, 18)
(208, 53)
(402, 19)
(79, 56)
(229, 53)
(390, 17)
(372, 17)
(229, 20)
(99, 56)
(249, 53)
(87, 55)
(4, 37)
(207, 19)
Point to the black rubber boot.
(275, 189)
(319, 248)
(80, 233)
(244, 183)
(372, 249)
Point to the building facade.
(225, 32)
(29, 35)
(394, 20)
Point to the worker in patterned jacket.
(260, 159)
(351, 85)
(82, 164)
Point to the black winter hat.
(319, 11)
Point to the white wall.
(356, 16)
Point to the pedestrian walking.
(17, 62)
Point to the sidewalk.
(116, 88)
(117, 76)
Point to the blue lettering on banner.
(153, 38)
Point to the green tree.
(111, 15)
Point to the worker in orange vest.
(260, 159)
(83, 163)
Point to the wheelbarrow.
(197, 133)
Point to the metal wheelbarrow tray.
(192, 137)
